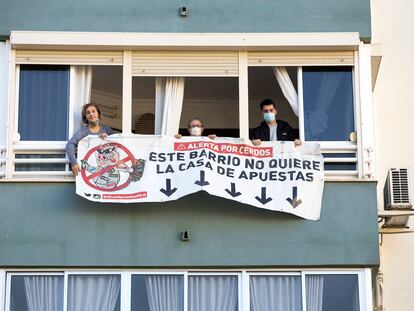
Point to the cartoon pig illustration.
(108, 156)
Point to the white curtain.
(165, 293)
(287, 87)
(314, 292)
(317, 120)
(212, 293)
(275, 293)
(169, 94)
(82, 92)
(44, 293)
(93, 292)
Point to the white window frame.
(243, 43)
(9, 276)
(40, 147)
(331, 146)
(27, 147)
(363, 274)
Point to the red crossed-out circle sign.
(87, 178)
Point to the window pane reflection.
(332, 292)
(43, 293)
(43, 102)
(328, 103)
(157, 292)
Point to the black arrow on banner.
(294, 201)
(202, 181)
(263, 199)
(232, 190)
(168, 191)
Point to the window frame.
(363, 274)
(364, 158)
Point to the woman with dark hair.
(90, 116)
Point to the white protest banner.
(276, 175)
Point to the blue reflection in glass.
(328, 103)
(157, 292)
(339, 292)
(41, 292)
(43, 102)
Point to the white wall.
(392, 26)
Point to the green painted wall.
(203, 16)
(46, 224)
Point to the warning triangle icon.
(181, 147)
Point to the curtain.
(44, 293)
(169, 94)
(165, 293)
(82, 92)
(317, 120)
(287, 87)
(93, 292)
(212, 293)
(314, 292)
(275, 293)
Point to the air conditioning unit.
(397, 196)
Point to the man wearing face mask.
(195, 128)
(272, 129)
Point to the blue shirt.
(82, 133)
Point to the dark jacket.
(284, 132)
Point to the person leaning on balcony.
(272, 129)
(91, 115)
(195, 128)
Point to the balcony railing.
(48, 161)
(44, 161)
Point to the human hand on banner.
(212, 136)
(298, 142)
(103, 136)
(178, 136)
(75, 169)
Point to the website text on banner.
(276, 176)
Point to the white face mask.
(195, 131)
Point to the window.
(43, 102)
(276, 293)
(317, 102)
(36, 292)
(94, 292)
(338, 292)
(157, 292)
(212, 292)
(328, 103)
(143, 105)
(192, 291)
(162, 105)
(314, 91)
(215, 101)
(46, 292)
(263, 84)
(50, 100)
